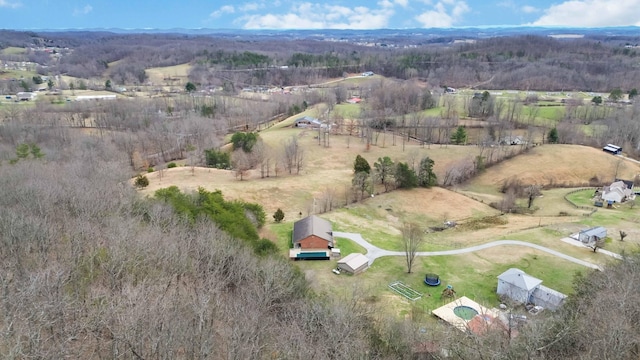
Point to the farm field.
(380, 218)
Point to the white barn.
(354, 263)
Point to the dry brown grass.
(161, 75)
(558, 165)
(330, 169)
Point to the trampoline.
(432, 279)
(465, 312)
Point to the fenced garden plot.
(405, 291)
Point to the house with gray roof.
(307, 122)
(619, 191)
(592, 235)
(520, 287)
(312, 232)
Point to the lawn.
(472, 275)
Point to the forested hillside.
(525, 62)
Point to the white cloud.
(592, 13)
(321, 16)
(445, 13)
(250, 7)
(84, 11)
(10, 4)
(527, 9)
(509, 4)
(227, 9)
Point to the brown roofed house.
(312, 232)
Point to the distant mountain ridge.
(466, 32)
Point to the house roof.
(520, 279)
(354, 260)
(609, 148)
(598, 230)
(312, 225)
(629, 183)
(309, 119)
(549, 295)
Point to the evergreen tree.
(405, 176)
(426, 176)
(552, 138)
(361, 164)
(460, 136)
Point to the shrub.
(171, 165)
(278, 216)
(141, 181)
(217, 159)
(265, 247)
(150, 169)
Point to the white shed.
(354, 263)
(517, 285)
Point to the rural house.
(516, 285)
(512, 140)
(312, 239)
(354, 263)
(307, 122)
(25, 96)
(619, 191)
(591, 236)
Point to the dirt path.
(374, 252)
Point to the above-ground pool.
(465, 312)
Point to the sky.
(314, 14)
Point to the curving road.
(374, 252)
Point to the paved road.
(374, 252)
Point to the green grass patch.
(582, 198)
(347, 247)
(283, 232)
(348, 111)
(13, 50)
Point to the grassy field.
(12, 50)
(380, 218)
(558, 166)
(472, 275)
(169, 75)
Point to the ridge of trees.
(526, 62)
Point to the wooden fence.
(581, 207)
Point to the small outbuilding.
(517, 285)
(520, 287)
(612, 149)
(354, 263)
(592, 235)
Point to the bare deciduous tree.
(412, 238)
(293, 155)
